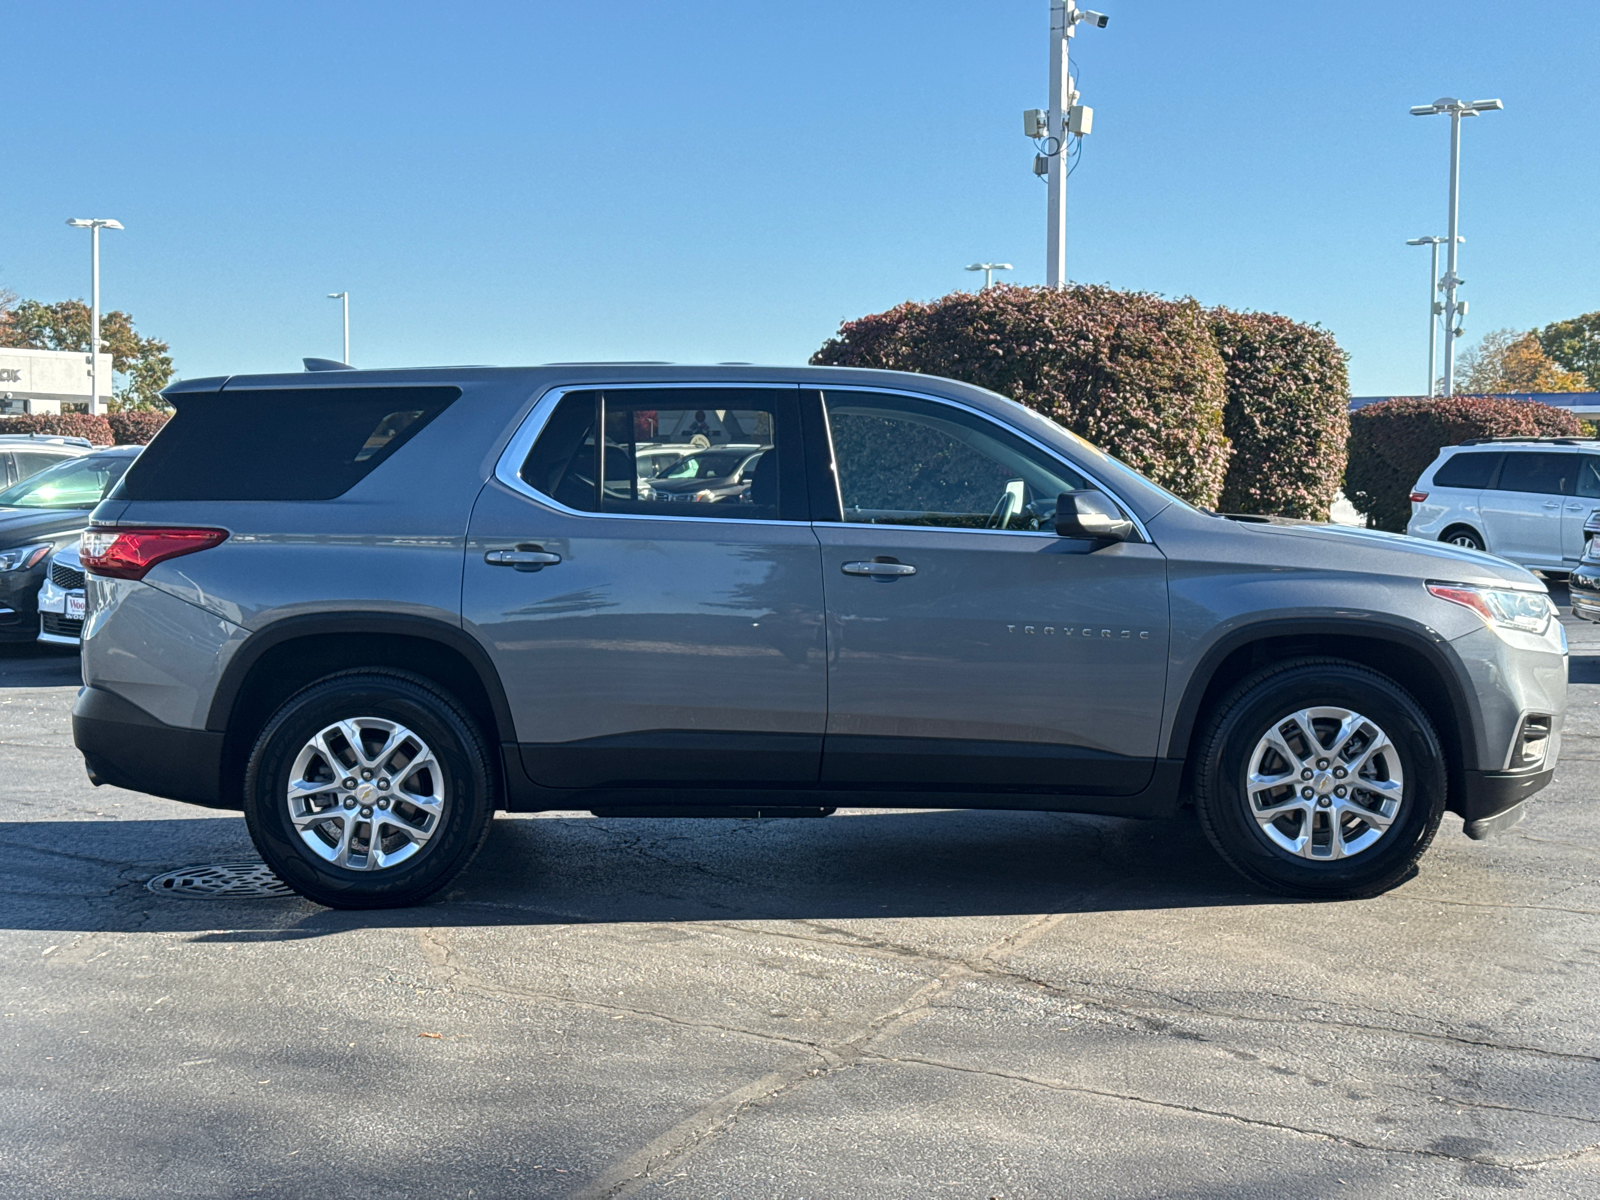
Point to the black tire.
(1250, 710)
(1464, 536)
(468, 788)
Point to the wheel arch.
(279, 660)
(1444, 534)
(1413, 657)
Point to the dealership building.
(50, 381)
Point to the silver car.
(61, 598)
(428, 595)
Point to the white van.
(1525, 499)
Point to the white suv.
(1525, 499)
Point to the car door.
(1522, 510)
(970, 647)
(1578, 507)
(644, 641)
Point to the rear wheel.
(1320, 778)
(369, 790)
(1464, 536)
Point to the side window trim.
(1088, 475)
(508, 467)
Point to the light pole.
(345, 296)
(1434, 307)
(988, 270)
(1457, 109)
(1064, 118)
(94, 225)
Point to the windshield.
(76, 483)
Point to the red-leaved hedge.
(136, 426)
(1392, 443)
(1133, 373)
(1287, 415)
(96, 428)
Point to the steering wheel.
(1007, 507)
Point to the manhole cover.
(221, 881)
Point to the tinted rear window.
(1467, 471)
(283, 444)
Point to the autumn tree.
(1505, 360)
(1575, 345)
(143, 362)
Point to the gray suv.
(430, 594)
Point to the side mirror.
(1092, 515)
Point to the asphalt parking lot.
(879, 1004)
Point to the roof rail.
(54, 439)
(1554, 441)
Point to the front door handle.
(522, 560)
(880, 569)
(1552, 504)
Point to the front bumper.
(19, 603)
(1496, 800)
(1583, 589)
(128, 748)
(54, 624)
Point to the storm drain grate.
(221, 881)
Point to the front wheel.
(1320, 778)
(369, 789)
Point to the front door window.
(906, 461)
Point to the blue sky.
(702, 180)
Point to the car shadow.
(38, 664)
(576, 869)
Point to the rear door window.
(279, 443)
(1467, 470)
(1541, 471)
(729, 453)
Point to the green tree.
(1575, 344)
(143, 362)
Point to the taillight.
(129, 553)
(1418, 497)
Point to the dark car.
(724, 473)
(39, 514)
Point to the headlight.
(20, 558)
(1529, 612)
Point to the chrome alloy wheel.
(1324, 783)
(366, 794)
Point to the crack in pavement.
(1058, 1085)
(1174, 1006)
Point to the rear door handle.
(525, 560)
(880, 570)
(1552, 504)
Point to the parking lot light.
(1456, 109)
(988, 270)
(94, 225)
(344, 296)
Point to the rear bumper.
(128, 748)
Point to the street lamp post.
(1456, 109)
(344, 296)
(1064, 118)
(1434, 307)
(988, 270)
(94, 225)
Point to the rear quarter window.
(1467, 470)
(279, 444)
